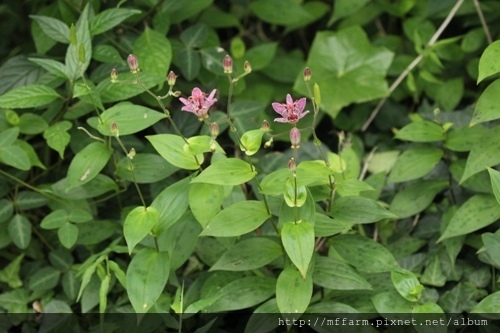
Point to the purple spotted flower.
(290, 111)
(198, 103)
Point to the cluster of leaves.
(395, 216)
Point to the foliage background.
(409, 225)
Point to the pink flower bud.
(114, 75)
(227, 64)
(265, 126)
(114, 129)
(292, 166)
(214, 130)
(247, 67)
(133, 63)
(307, 74)
(295, 137)
(171, 77)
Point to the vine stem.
(483, 21)
(413, 64)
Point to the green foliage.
(122, 191)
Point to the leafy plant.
(142, 171)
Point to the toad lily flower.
(198, 103)
(290, 111)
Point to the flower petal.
(289, 99)
(300, 104)
(281, 120)
(280, 108)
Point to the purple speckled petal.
(289, 99)
(281, 120)
(300, 104)
(280, 108)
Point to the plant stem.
(483, 22)
(412, 65)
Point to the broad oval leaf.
(337, 275)
(476, 213)
(87, 164)
(68, 234)
(487, 105)
(147, 275)
(407, 285)
(484, 153)
(57, 136)
(139, 222)
(293, 292)
(495, 182)
(148, 168)
(153, 51)
(490, 304)
(414, 163)
(390, 302)
(15, 156)
(238, 219)
(342, 78)
(421, 131)
(205, 201)
(19, 230)
(30, 96)
(231, 171)
(416, 197)
(251, 253)
(428, 312)
(171, 148)
(109, 18)
(488, 64)
(298, 241)
(129, 118)
(364, 253)
(171, 203)
(359, 210)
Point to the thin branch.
(483, 21)
(413, 64)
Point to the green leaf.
(337, 275)
(243, 293)
(87, 164)
(189, 62)
(343, 8)
(478, 212)
(390, 302)
(325, 226)
(433, 274)
(147, 275)
(343, 79)
(44, 279)
(8, 136)
(179, 12)
(313, 172)
(171, 148)
(238, 219)
(407, 285)
(153, 51)
(295, 196)
(251, 141)
(495, 182)
(54, 28)
(55, 220)
(57, 136)
(30, 123)
(30, 152)
(171, 204)
(205, 201)
(52, 66)
(148, 168)
(352, 187)
(424, 313)
(211, 59)
(261, 55)
(138, 224)
(486, 108)
(68, 234)
(249, 254)
(107, 54)
(364, 253)
(195, 35)
(421, 131)
(274, 183)
(416, 197)
(29, 96)
(414, 163)
(488, 64)
(6, 210)
(492, 244)
(485, 153)
(298, 241)
(281, 12)
(78, 58)
(15, 157)
(359, 210)
(19, 229)
(201, 144)
(130, 119)
(29, 200)
(110, 18)
(103, 292)
(231, 171)
(293, 292)
(490, 304)
(114, 92)
(10, 274)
